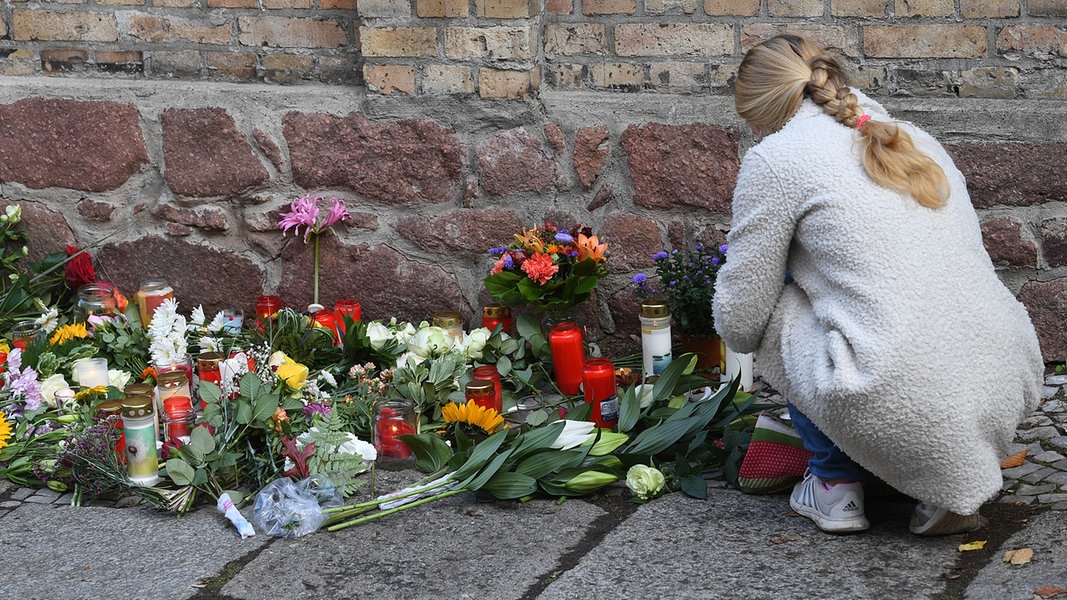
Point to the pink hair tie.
(861, 120)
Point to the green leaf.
(265, 405)
(694, 486)
(202, 439)
(536, 418)
(193, 454)
(668, 379)
(480, 455)
(244, 413)
(528, 326)
(508, 485)
(431, 452)
(488, 472)
(537, 439)
(548, 461)
(503, 366)
(209, 392)
(629, 409)
(180, 472)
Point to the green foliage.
(293, 334)
(687, 283)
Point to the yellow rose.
(293, 374)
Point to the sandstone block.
(980, 9)
(1054, 241)
(232, 3)
(290, 32)
(678, 76)
(1038, 41)
(384, 8)
(47, 25)
(570, 39)
(508, 85)
(989, 82)
(269, 147)
(1046, 8)
(591, 151)
(398, 41)
(564, 76)
(633, 239)
(513, 161)
(924, 8)
(159, 28)
(506, 9)
(47, 231)
(795, 8)
(447, 79)
(731, 8)
(394, 163)
(554, 136)
(89, 146)
(233, 66)
(1046, 301)
(281, 4)
(621, 76)
(471, 231)
(120, 62)
(1012, 174)
(63, 60)
(208, 218)
(206, 155)
(337, 4)
(95, 210)
(1004, 243)
(183, 64)
(682, 165)
(858, 8)
(609, 7)
(559, 7)
(831, 37)
(442, 8)
(924, 41)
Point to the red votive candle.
(598, 381)
(208, 369)
(267, 308)
(480, 391)
(497, 314)
(568, 356)
(328, 319)
(176, 409)
(391, 422)
(349, 308)
(489, 373)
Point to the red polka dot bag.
(776, 458)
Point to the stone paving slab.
(748, 547)
(1046, 534)
(55, 551)
(452, 548)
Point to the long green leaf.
(475, 482)
(480, 455)
(431, 452)
(537, 439)
(668, 380)
(508, 485)
(629, 409)
(547, 461)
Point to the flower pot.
(708, 349)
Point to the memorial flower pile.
(291, 399)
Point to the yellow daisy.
(472, 415)
(73, 331)
(5, 430)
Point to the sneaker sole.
(850, 525)
(950, 523)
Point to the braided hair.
(776, 76)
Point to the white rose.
(50, 386)
(474, 342)
(379, 335)
(645, 482)
(118, 378)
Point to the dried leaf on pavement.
(1014, 460)
(976, 545)
(1020, 556)
(1050, 591)
(784, 538)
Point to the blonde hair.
(776, 76)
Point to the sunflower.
(73, 331)
(5, 430)
(472, 418)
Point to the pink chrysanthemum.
(540, 268)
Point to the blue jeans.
(829, 461)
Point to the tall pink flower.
(304, 212)
(540, 268)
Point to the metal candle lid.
(495, 311)
(136, 406)
(655, 310)
(448, 319)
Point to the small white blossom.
(49, 320)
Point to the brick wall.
(513, 48)
(447, 125)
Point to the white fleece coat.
(896, 338)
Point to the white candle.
(91, 372)
(738, 364)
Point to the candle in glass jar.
(480, 391)
(267, 308)
(153, 292)
(110, 412)
(497, 314)
(392, 419)
(655, 337)
(175, 397)
(598, 382)
(91, 372)
(23, 332)
(327, 319)
(489, 373)
(142, 465)
(347, 308)
(208, 368)
(568, 356)
(451, 321)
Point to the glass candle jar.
(393, 418)
(64, 399)
(655, 337)
(209, 368)
(481, 392)
(94, 299)
(267, 308)
(598, 383)
(144, 389)
(347, 308)
(494, 315)
(138, 427)
(451, 321)
(327, 319)
(152, 293)
(24, 332)
(232, 319)
(489, 373)
(110, 412)
(174, 396)
(568, 356)
(91, 372)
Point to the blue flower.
(673, 282)
(715, 261)
(723, 248)
(659, 256)
(699, 247)
(640, 278)
(563, 237)
(508, 263)
(497, 250)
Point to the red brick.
(1046, 302)
(1012, 174)
(1004, 243)
(290, 32)
(338, 4)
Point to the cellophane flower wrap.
(549, 267)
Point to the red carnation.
(79, 269)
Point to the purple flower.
(715, 261)
(563, 237)
(640, 278)
(304, 212)
(338, 212)
(699, 247)
(315, 408)
(673, 282)
(508, 262)
(497, 250)
(659, 256)
(723, 248)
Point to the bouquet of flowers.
(687, 283)
(555, 269)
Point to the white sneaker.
(834, 508)
(929, 519)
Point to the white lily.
(575, 433)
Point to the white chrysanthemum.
(209, 344)
(49, 320)
(196, 318)
(217, 323)
(326, 376)
(167, 334)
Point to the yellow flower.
(279, 416)
(100, 390)
(5, 430)
(293, 374)
(531, 240)
(486, 419)
(73, 331)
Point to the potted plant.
(685, 279)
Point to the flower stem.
(316, 275)
(362, 506)
(383, 513)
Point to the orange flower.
(148, 372)
(591, 247)
(279, 416)
(531, 240)
(540, 268)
